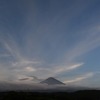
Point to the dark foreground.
(79, 95)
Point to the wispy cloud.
(67, 68)
(80, 78)
(33, 79)
(86, 44)
(54, 71)
(4, 55)
(23, 62)
(30, 69)
(11, 46)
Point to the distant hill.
(52, 81)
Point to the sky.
(50, 38)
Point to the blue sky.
(44, 38)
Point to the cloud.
(29, 78)
(11, 46)
(4, 55)
(89, 42)
(86, 44)
(67, 68)
(25, 79)
(22, 79)
(55, 71)
(88, 75)
(30, 69)
(25, 63)
(26, 70)
(19, 77)
(98, 72)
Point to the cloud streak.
(88, 75)
(88, 43)
(67, 68)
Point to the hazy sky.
(44, 38)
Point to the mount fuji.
(52, 81)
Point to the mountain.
(52, 81)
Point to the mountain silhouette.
(52, 81)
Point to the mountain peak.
(51, 78)
(52, 81)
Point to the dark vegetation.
(79, 95)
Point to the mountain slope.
(52, 81)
